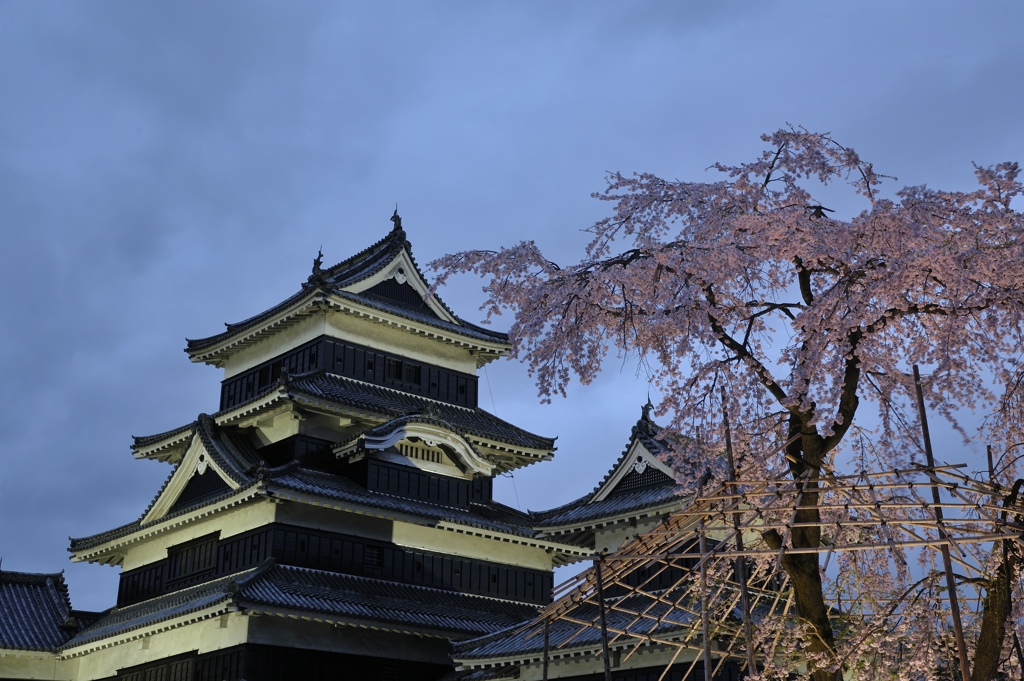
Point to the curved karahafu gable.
(382, 283)
(403, 435)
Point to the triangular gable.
(191, 483)
(199, 488)
(401, 281)
(637, 468)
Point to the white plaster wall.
(592, 664)
(19, 664)
(612, 537)
(414, 536)
(468, 546)
(230, 522)
(204, 637)
(330, 520)
(282, 341)
(390, 339)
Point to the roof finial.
(646, 413)
(318, 261)
(397, 219)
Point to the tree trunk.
(806, 454)
(807, 587)
(997, 606)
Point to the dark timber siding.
(274, 663)
(358, 362)
(333, 552)
(412, 483)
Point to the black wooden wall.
(253, 662)
(354, 361)
(210, 557)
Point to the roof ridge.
(395, 234)
(385, 582)
(33, 578)
(413, 398)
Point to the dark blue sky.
(165, 168)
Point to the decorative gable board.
(637, 468)
(649, 476)
(400, 294)
(402, 273)
(198, 475)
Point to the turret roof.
(335, 597)
(233, 455)
(35, 611)
(348, 273)
(589, 507)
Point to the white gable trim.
(402, 270)
(431, 435)
(197, 461)
(637, 458)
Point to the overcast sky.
(165, 168)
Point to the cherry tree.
(747, 294)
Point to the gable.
(401, 283)
(199, 488)
(390, 290)
(637, 468)
(640, 477)
(196, 479)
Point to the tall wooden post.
(947, 564)
(740, 565)
(547, 645)
(604, 623)
(705, 623)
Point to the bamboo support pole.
(547, 646)
(740, 566)
(954, 605)
(604, 622)
(705, 623)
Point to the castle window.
(412, 373)
(393, 369)
(373, 556)
(193, 557)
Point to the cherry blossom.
(747, 294)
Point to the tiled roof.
(585, 508)
(147, 613)
(239, 460)
(84, 543)
(581, 510)
(396, 404)
(491, 515)
(387, 402)
(527, 638)
(233, 455)
(146, 440)
(645, 431)
(463, 328)
(360, 266)
(363, 598)
(35, 611)
(345, 597)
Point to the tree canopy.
(748, 294)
